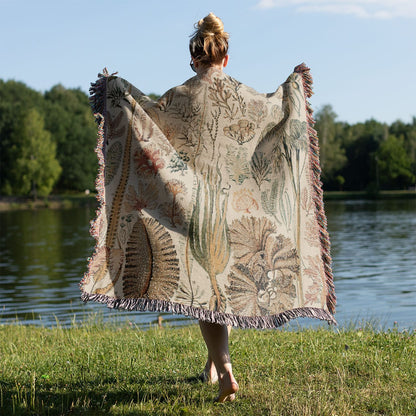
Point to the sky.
(362, 53)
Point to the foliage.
(35, 167)
(365, 156)
(104, 369)
(394, 163)
(358, 157)
(15, 97)
(71, 123)
(332, 154)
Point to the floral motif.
(148, 161)
(166, 237)
(242, 132)
(243, 200)
(312, 232)
(313, 271)
(265, 267)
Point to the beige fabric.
(210, 205)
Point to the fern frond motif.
(260, 168)
(269, 199)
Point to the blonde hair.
(209, 42)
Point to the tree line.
(47, 143)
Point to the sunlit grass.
(119, 369)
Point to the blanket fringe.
(98, 92)
(97, 102)
(245, 322)
(304, 71)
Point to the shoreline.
(66, 201)
(61, 201)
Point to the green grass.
(105, 369)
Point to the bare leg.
(209, 374)
(216, 339)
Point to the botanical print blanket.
(210, 202)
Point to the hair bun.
(209, 43)
(211, 25)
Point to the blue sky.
(361, 53)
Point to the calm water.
(43, 257)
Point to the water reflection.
(374, 260)
(43, 257)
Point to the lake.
(43, 255)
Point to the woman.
(211, 203)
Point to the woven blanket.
(210, 202)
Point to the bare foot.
(228, 388)
(209, 375)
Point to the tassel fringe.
(304, 71)
(98, 91)
(258, 322)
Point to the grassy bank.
(344, 195)
(108, 370)
(63, 201)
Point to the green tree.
(35, 169)
(361, 142)
(15, 97)
(71, 123)
(408, 133)
(394, 164)
(332, 154)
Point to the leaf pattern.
(208, 201)
(265, 267)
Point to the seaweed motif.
(294, 97)
(269, 199)
(285, 209)
(295, 145)
(243, 200)
(208, 234)
(145, 198)
(237, 165)
(115, 95)
(257, 111)
(242, 132)
(194, 297)
(313, 271)
(152, 265)
(175, 187)
(178, 162)
(148, 161)
(115, 127)
(238, 98)
(222, 97)
(112, 161)
(260, 168)
(262, 277)
(212, 128)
